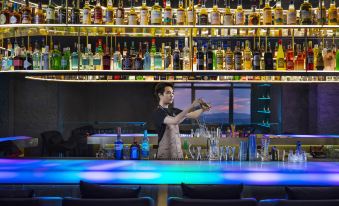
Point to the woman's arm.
(182, 115)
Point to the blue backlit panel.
(44, 171)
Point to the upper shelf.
(16, 30)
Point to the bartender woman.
(167, 120)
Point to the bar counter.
(151, 172)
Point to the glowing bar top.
(52, 171)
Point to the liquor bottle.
(62, 16)
(90, 57)
(310, 57)
(209, 57)
(117, 64)
(181, 15)
(281, 65)
(145, 147)
(26, 14)
(106, 59)
(267, 20)
(191, 16)
(65, 59)
(15, 17)
(156, 14)
(37, 57)
(220, 58)
(329, 59)
(45, 58)
(247, 56)
(168, 13)
(118, 146)
(200, 58)
(75, 13)
(176, 57)
(133, 55)
(158, 61)
(85, 59)
(186, 56)
(268, 58)
(126, 59)
(109, 12)
(98, 13)
(75, 58)
(153, 51)
(50, 13)
(321, 13)
(238, 64)
(300, 60)
(228, 16)
(18, 60)
(289, 58)
(254, 16)
(5, 14)
(132, 16)
(138, 63)
(28, 62)
(144, 15)
(337, 59)
(135, 150)
(229, 58)
(257, 57)
(39, 17)
(306, 13)
(86, 13)
(332, 14)
(120, 14)
(203, 15)
(147, 58)
(320, 59)
(239, 14)
(215, 14)
(278, 14)
(291, 14)
(97, 58)
(56, 58)
(168, 57)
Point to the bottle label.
(281, 63)
(203, 19)
(118, 147)
(254, 20)
(291, 18)
(310, 59)
(3, 19)
(138, 64)
(181, 17)
(240, 18)
(278, 16)
(220, 62)
(106, 62)
(14, 20)
(109, 16)
(190, 17)
(256, 60)
(86, 18)
(238, 62)
(62, 18)
(75, 18)
(26, 17)
(132, 20)
(268, 17)
(229, 61)
(289, 64)
(156, 17)
(119, 21)
(134, 153)
(143, 17)
(50, 14)
(247, 57)
(127, 64)
(97, 16)
(168, 17)
(305, 16)
(228, 20)
(322, 16)
(96, 62)
(85, 61)
(176, 61)
(215, 18)
(18, 62)
(64, 63)
(332, 16)
(120, 14)
(200, 64)
(209, 61)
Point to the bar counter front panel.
(49, 171)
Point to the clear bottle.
(144, 13)
(97, 58)
(147, 59)
(156, 14)
(37, 57)
(75, 58)
(267, 14)
(132, 16)
(176, 57)
(158, 61)
(168, 15)
(306, 13)
(168, 57)
(247, 56)
(45, 58)
(291, 14)
(329, 59)
(65, 59)
(86, 13)
(117, 63)
(186, 56)
(181, 14)
(15, 17)
(50, 13)
(98, 13)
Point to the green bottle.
(56, 58)
(337, 58)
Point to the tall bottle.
(254, 17)
(291, 14)
(56, 58)
(228, 16)
(209, 57)
(300, 61)
(39, 17)
(238, 60)
(109, 12)
(86, 13)
(200, 58)
(62, 16)
(257, 57)
(120, 14)
(168, 15)
(75, 58)
(306, 13)
(147, 59)
(181, 14)
(268, 58)
(15, 17)
(144, 13)
(135, 150)
(156, 14)
(97, 58)
(75, 13)
(118, 146)
(332, 14)
(4, 14)
(215, 14)
(138, 62)
(106, 59)
(126, 58)
(37, 57)
(176, 57)
(98, 13)
(186, 56)
(337, 59)
(320, 59)
(281, 64)
(247, 56)
(239, 14)
(321, 13)
(132, 16)
(203, 15)
(45, 58)
(65, 59)
(278, 14)
(191, 15)
(289, 58)
(267, 15)
(310, 57)
(117, 64)
(145, 147)
(220, 57)
(50, 13)
(229, 58)
(26, 14)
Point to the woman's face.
(168, 96)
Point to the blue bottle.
(135, 151)
(118, 146)
(145, 147)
